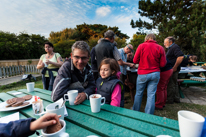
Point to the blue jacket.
(18, 128)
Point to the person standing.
(123, 69)
(161, 93)
(50, 62)
(150, 56)
(175, 56)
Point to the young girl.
(109, 85)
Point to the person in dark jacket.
(175, 56)
(27, 127)
(75, 73)
(188, 60)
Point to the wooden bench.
(111, 121)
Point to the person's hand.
(46, 120)
(48, 62)
(132, 65)
(174, 69)
(80, 98)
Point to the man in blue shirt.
(123, 52)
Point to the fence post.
(7, 71)
(4, 74)
(0, 73)
(18, 70)
(10, 71)
(13, 71)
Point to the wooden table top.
(110, 121)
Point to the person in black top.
(175, 56)
(188, 60)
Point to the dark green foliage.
(183, 19)
(90, 33)
(22, 46)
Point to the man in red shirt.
(150, 56)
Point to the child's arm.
(116, 96)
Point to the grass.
(170, 110)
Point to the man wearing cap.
(106, 48)
(123, 52)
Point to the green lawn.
(170, 110)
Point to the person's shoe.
(156, 108)
(177, 101)
(169, 102)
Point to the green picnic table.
(110, 121)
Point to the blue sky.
(44, 16)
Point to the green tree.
(183, 19)
(136, 40)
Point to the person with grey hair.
(175, 56)
(75, 74)
(106, 48)
(150, 56)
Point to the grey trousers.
(172, 88)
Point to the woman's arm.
(116, 96)
(58, 64)
(40, 64)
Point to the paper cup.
(190, 123)
(30, 86)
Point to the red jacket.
(150, 56)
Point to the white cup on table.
(71, 96)
(55, 108)
(95, 102)
(30, 86)
(60, 133)
(190, 123)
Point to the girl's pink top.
(116, 96)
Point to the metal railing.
(10, 71)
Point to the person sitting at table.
(75, 74)
(27, 127)
(50, 62)
(188, 60)
(108, 84)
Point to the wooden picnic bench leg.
(180, 91)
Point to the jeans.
(150, 80)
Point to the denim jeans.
(150, 80)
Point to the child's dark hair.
(112, 63)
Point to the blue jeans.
(150, 80)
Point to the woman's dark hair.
(49, 43)
(112, 63)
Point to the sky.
(43, 16)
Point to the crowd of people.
(107, 75)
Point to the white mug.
(60, 133)
(71, 95)
(30, 86)
(55, 108)
(95, 103)
(190, 123)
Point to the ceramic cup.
(95, 102)
(71, 96)
(190, 123)
(30, 86)
(55, 108)
(60, 133)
